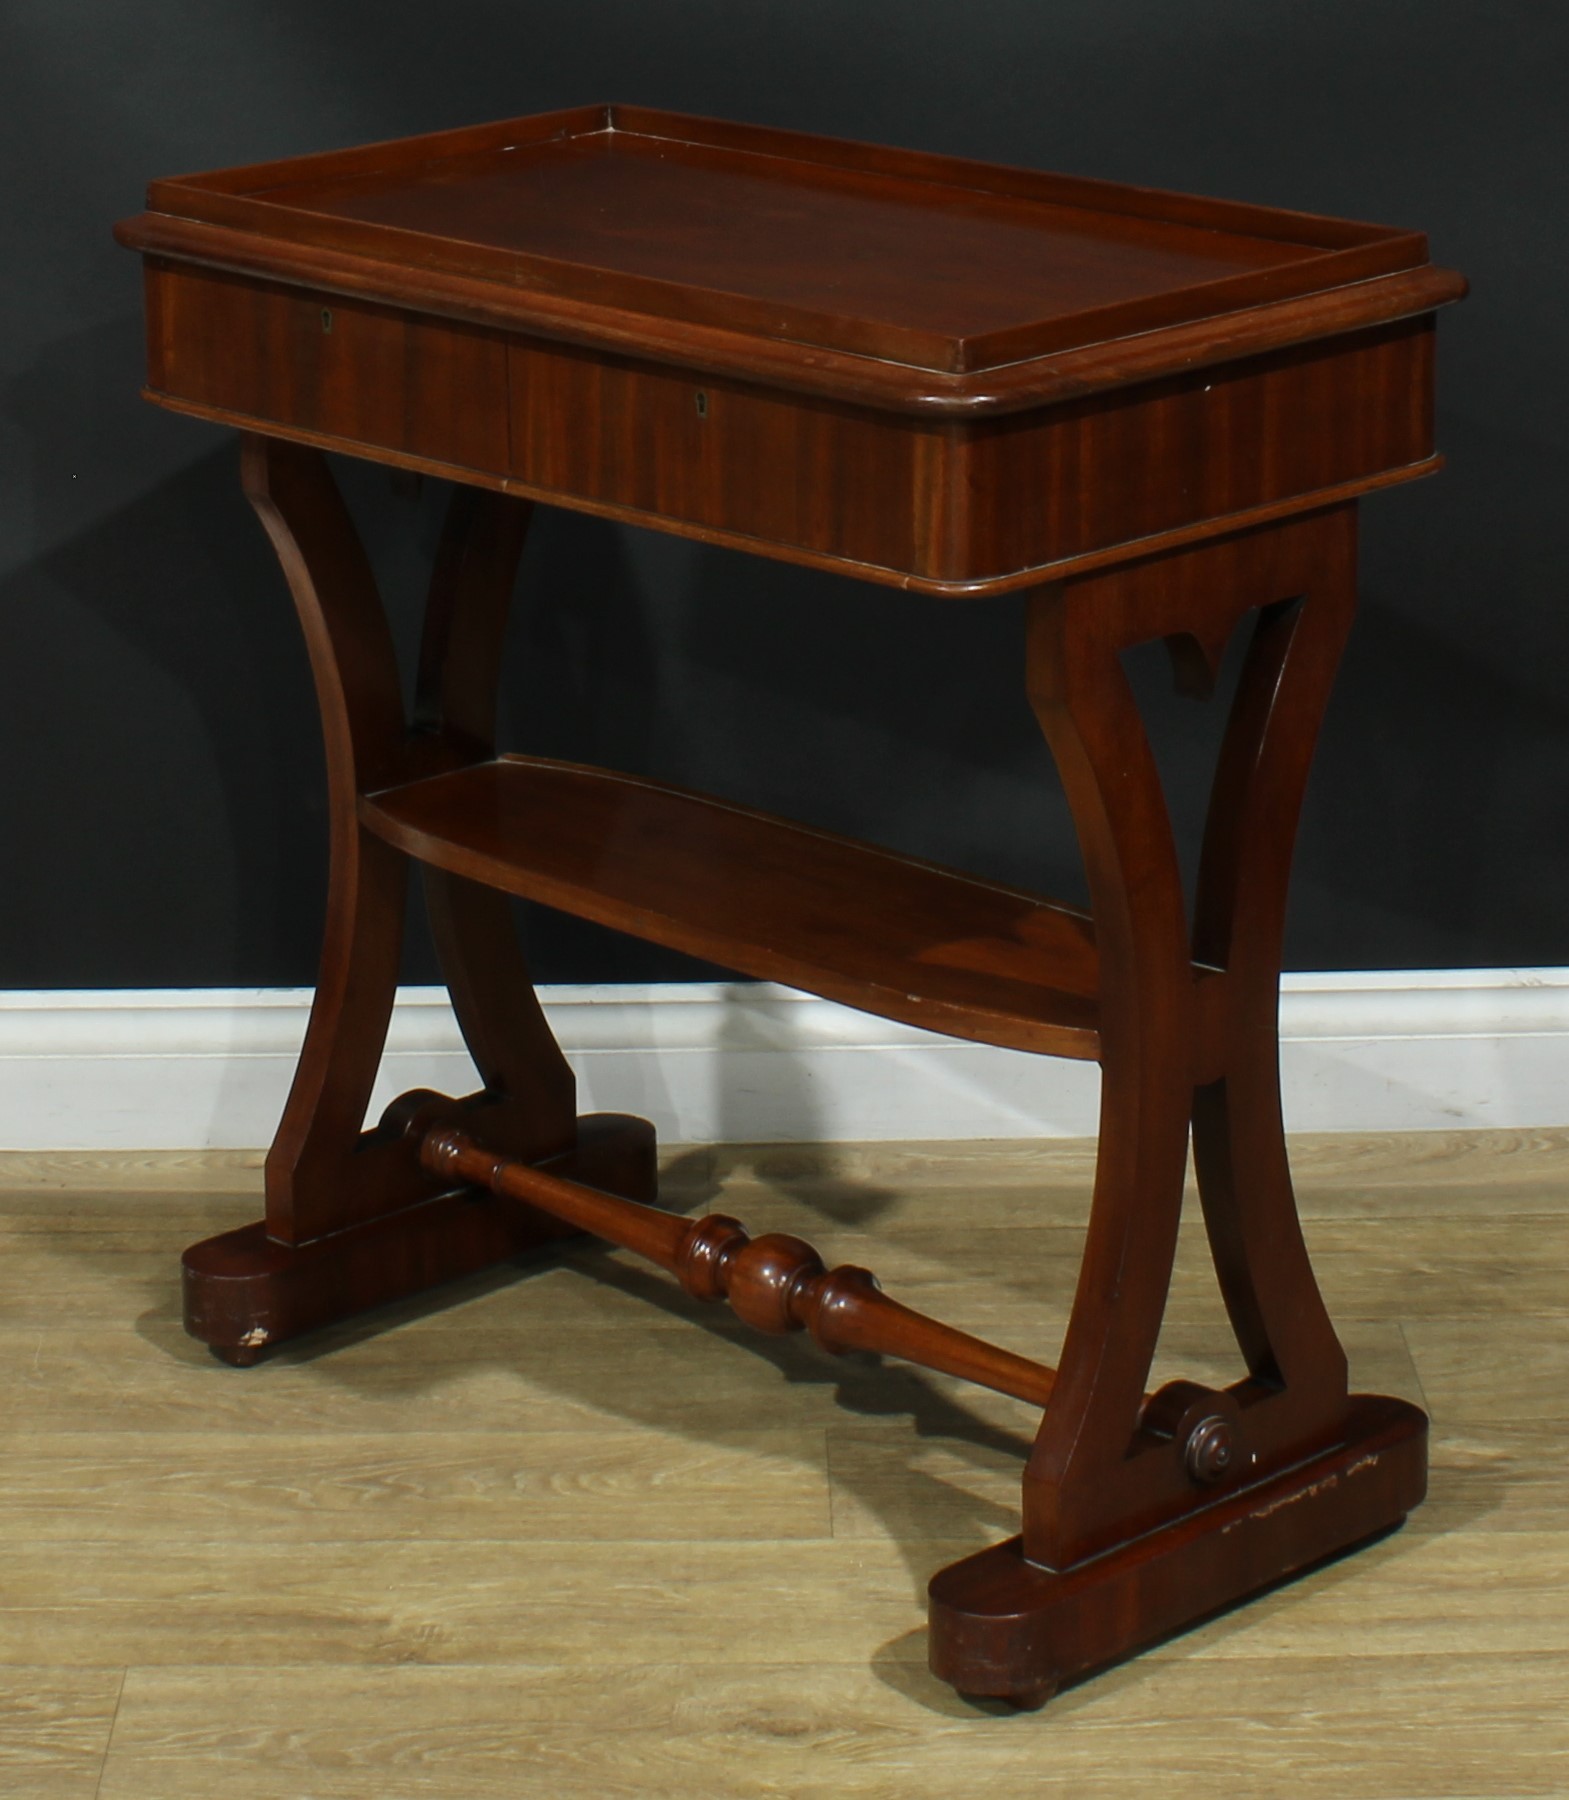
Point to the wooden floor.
(574, 1535)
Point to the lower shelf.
(890, 935)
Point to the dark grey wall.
(160, 803)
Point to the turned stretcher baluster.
(775, 1283)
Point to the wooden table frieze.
(1156, 414)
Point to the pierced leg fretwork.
(1122, 1543)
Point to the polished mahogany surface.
(938, 264)
(883, 932)
(827, 251)
(930, 373)
(1155, 412)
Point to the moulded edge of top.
(214, 221)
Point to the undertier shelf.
(776, 900)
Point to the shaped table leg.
(352, 1220)
(1143, 1516)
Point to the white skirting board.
(746, 1062)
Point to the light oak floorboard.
(54, 1729)
(566, 1532)
(1511, 1369)
(1312, 1727)
(844, 1599)
(274, 1487)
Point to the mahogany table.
(1153, 412)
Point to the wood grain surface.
(465, 1555)
(781, 901)
(929, 261)
(943, 375)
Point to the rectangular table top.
(921, 371)
(811, 251)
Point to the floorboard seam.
(103, 1765)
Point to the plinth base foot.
(1003, 1627)
(245, 1292)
